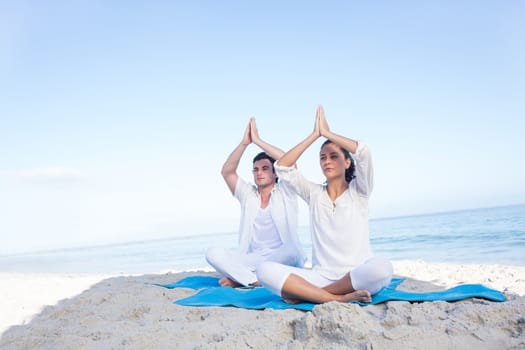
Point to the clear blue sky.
(116, 116)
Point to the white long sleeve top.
(283, 210)
(339, 230)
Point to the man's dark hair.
(263, 155)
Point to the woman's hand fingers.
(323, 124)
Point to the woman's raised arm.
(291, 157)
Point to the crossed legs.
(295, 284)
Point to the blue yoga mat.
(193, 282)
(211, 294)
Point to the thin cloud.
(54, 176)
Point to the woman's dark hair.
(264, 155)
(350, 172)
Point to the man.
(268, 227)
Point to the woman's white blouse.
(339, 229)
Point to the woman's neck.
(336, 188)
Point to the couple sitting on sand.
(343, 266)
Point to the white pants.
(372, 275)
(241, 267)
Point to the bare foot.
(255, 284)
(358, 295)
(362, 296)
(292, 301)
(227, 282)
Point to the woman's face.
(333, 162)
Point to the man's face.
(263, 174)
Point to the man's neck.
(264, 193)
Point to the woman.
(343, 267)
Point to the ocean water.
(479, 236)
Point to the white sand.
(101, 312)
(24, 295)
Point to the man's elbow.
(227, 172)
